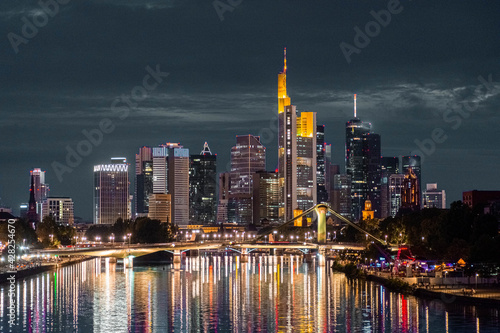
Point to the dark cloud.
(223, 75)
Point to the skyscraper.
(143, 180)
(266, 196)
(410, 194)
(202, 187)
(306, 160)
(321, 162)
(413, 162)
(388, 166)
(40, 189)
(171, 176)
(362, 156)
(372, 151)
(224, 188)
(395, 192)
(341, 194)
(296, 153)
(247, 157)
(111, 191)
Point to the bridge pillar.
(112, 260)
(128, 262)
(244, 255)
(321, 211)
(177, 256)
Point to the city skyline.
(403, 95)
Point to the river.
(221, 294)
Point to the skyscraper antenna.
(354, 105)
(284, 68)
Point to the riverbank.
(40, 269)
(480, 295)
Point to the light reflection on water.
(221, 294)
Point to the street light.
(51, 238)
(386, 239)
(129, 239)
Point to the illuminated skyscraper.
(395, 192)
(40, 189)
(321, 163)
(202, 187)
(413, 162)
(362, 156)
(296, 153)
(306, 160)
(143, 180)
(111, 191)
(247, 157)
(266, 196)
(388, 167)
(410, 194)
(171, 176)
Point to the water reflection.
(223, 294)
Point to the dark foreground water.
(220, 294)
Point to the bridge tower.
(321, 211)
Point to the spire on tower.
(206, 150)
(284, 67)
(354, 105)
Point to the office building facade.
(111, 192)
(202, 187)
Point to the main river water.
(220, 294)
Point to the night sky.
(418, 73)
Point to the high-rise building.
(395, 192)
(432, 197)
(362, 157)
(202, 187)
(224, 187)
(413, 162)
(306, 161)
(410, 194)
(266, 197)
(143, 180)
(160, 207)
(373, 171)
(247, 157)
(171, 176)
(60, 208)
(296, 153)
(388, 167)
(111, 191)
(342, 194)
(321, 164)
(40, 188)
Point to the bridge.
(128, 252)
